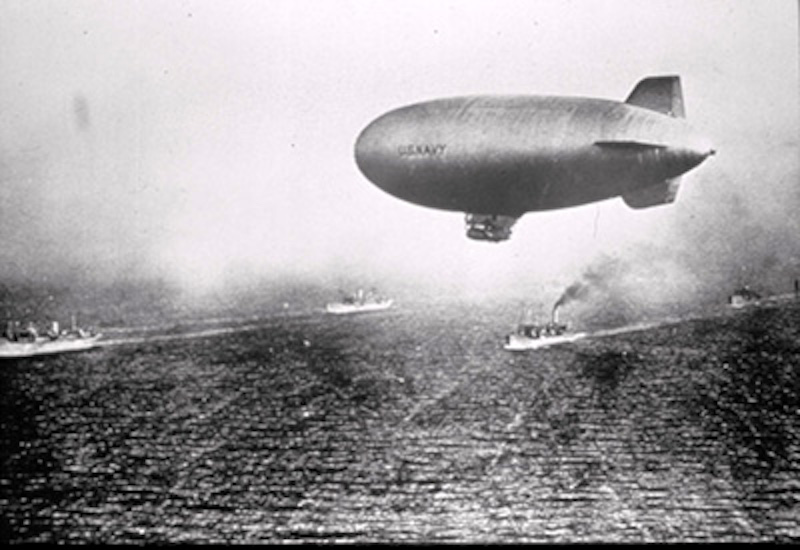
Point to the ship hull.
(516, 342)
(345, 309)
(45, 346)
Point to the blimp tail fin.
(653, 195)
(659, 93)
(629, 145)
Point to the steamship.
(17, 343)
(530, 335)
(359, 302)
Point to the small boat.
(17, 343)
(743, 297)
(530, 335)
(359, 302)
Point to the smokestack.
(554, 318)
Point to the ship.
(743, 297)
(359, 302)
(19, 343)
(531, 335)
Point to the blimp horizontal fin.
(630, 145)
(653, 195)
(659, 93)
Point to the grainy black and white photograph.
(399, 271)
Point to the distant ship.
(744, 296)
(530, 335)
(19, 343)
(359, 302)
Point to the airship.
(498, 157)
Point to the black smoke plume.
(597, 277)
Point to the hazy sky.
(197, 138)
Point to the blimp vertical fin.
(659, 93)
(654, 195)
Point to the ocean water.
(410, 425)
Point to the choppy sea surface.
(409, 425)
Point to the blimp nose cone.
(364, 148)
(378, 156)
(369, 150)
